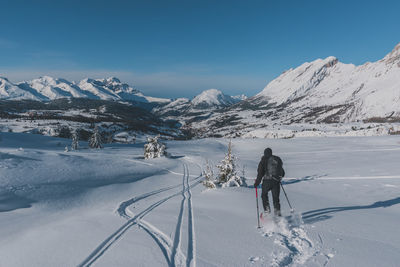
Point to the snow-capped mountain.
(344, 92)
(201, 106)
(321, 91)
(110, 89)
(47, 88)
(10, 91)
(212, 98)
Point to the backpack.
(274, 168)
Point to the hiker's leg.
(275, 197)
(266, 186)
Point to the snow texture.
(111, 207)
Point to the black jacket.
(262, 168)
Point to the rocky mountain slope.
(321, 91)
(122, 122)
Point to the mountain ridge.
(46, 88)
(320, 91)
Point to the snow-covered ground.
(111, 207)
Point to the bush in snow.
(227, 170)
(75, 141)
(95, 139)
(209, 180)
(63, 132)
(153, 149)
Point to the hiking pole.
(291, 209)
(258, 212)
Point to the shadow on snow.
(9, 201)
(324, 214)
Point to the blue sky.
(179, 48)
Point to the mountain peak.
(212, 98)
(394, 55)
(330, 61)
(45, 80)
(113, 80)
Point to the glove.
(256, 184)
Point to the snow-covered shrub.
(95, 139)
(227, 170)
(208, 173)
(75, 141)
(153, 148)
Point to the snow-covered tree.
(227, 170)
(95, 139)
(75, 141)
(208, 173)
(153, 148)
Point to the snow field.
(110, 207)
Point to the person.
(270, 171)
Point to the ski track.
(191, 254)
(124, 205)
(176, 249)
(171, 250)
(165, 169)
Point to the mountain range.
(320, 91)
(47, 88)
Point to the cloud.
(162, 84)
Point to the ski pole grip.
(256, 193)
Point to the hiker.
(270, 171)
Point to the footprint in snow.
(293, 246)
(254, 259)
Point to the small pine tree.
(75, 141)
(153, 149)
(227, 170)
(95, 139)
(209, 180)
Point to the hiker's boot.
(267, 210)
(277, 213)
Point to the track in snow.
(293, 247)
(176, 249)
(191, 254)
(191, 250)
(171, 250)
